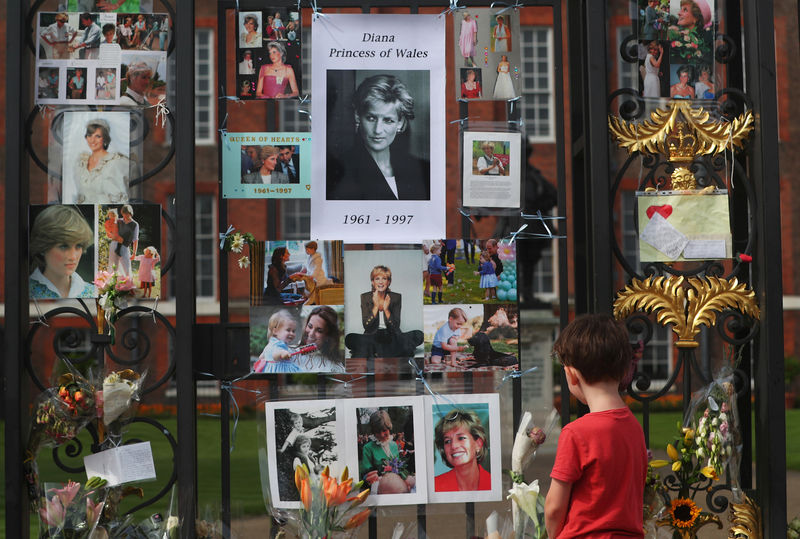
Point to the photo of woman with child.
(293, 340)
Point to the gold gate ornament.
(681, 132)
(685, 307)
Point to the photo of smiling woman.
(378, 135)
(463, 444)
(60, 237)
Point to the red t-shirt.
(604, 456)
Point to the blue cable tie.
(224, 235)
(516, 5)
(514, 374)
(465, 214)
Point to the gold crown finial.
(681, 144)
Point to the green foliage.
(791, 369)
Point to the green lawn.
(246, 497)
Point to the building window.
(657, 359)
(204, 106)
(291, 119)
(544, 276)
(295, 218)
(206, 244)
(537, 83)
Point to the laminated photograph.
(266, 165)
(63, 258)
(469, 271)
(129, 244)
(383, 447)
(463, 448)
(471, 337)
(143, 6)
(383, 293)
(95, 163)
(683, 225)
(487, 54)
(269, 54)
(491, 169)
(297, 339)
(302, 432)
(379, 85)
(79, 55)
(296, 273)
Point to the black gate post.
(759, 60)
(185, 281)
(16, 254)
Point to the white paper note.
(705, 249)
(123, 464)
(664, 237)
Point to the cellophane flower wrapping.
(121, 392)
(71, 510)
(714, 416)
(331, 506)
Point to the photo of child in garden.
(469, 271)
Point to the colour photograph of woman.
(60, 237)
(501, 35)
(652, 67)
(470, 85)
(266, 174)
(96, 163)
(378, 164)
(462, 444)
(691, 35)
(249, 35)
(468, 38)
(683, 89)
(321, 329)
(132, 246)
(276, 80)
(503, 86)
(381, 309)
(76, 83)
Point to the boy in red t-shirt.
(599, 473)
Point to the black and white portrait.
(300, 433)
(378, 135)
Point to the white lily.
(526, 497)
(522, 444)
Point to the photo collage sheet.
(487, 62)
(326, 306)
(105, 58)
(268, 54)
(406, 449)
(675, 48)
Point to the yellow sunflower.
(684, 512)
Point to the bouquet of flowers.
(120, 390)
(72, 512)
(113, 290)
(60, 412)
(691, 45)
(329, 504)
(525, 496)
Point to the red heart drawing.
(665, 211)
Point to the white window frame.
(549, 257)
(549, 91)
(211, 237)
(211, 108)
(295, 218)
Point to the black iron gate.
(591, 225)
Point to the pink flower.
(53, 513)
(675, 43)
(93, 511)
(723, 428)
(102, 278)
(693, 45)
(67, 494)
(537, 436)
(125, 284)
